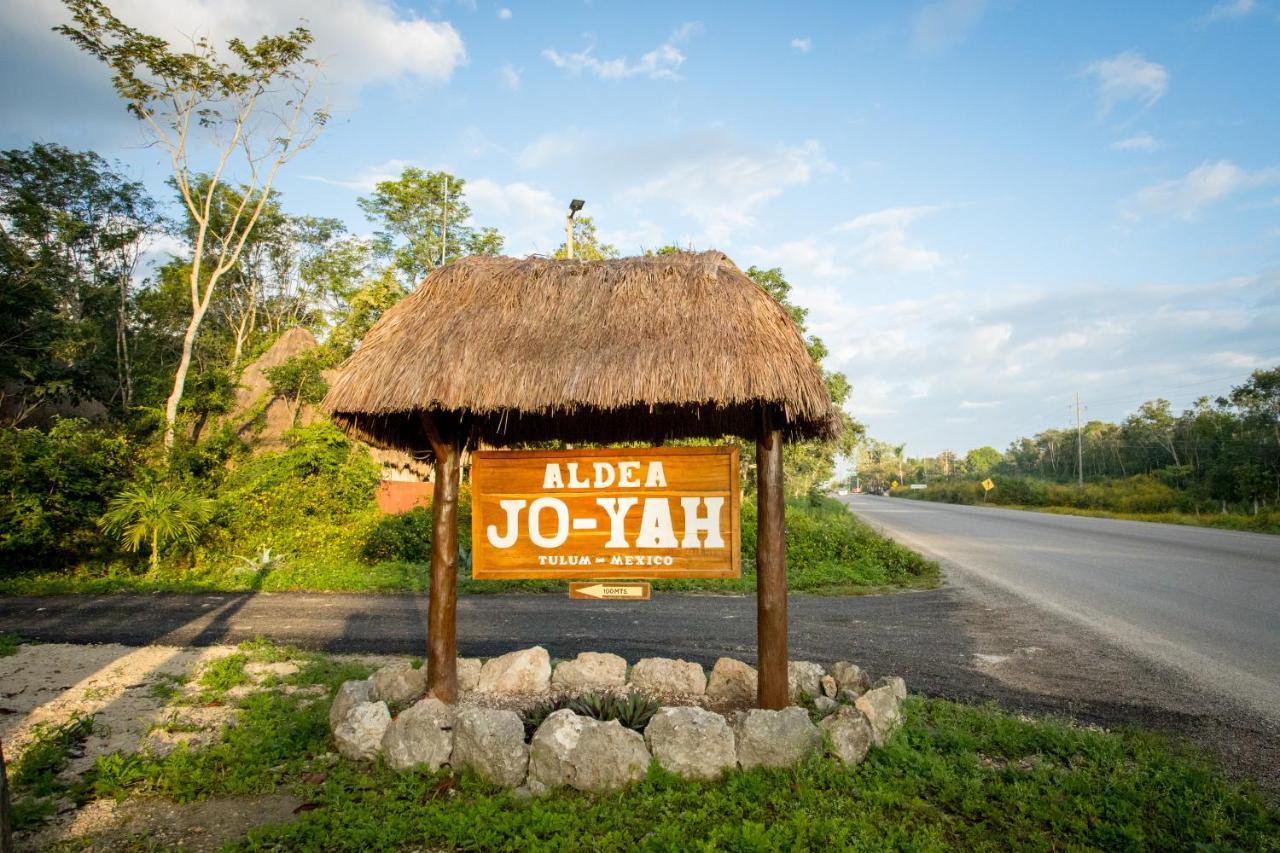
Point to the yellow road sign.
(610, 591)
(988, 485)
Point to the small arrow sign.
(604, 591)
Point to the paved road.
(1204, 601)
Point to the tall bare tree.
(256, 108)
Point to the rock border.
(854, 715)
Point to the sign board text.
(668, 512)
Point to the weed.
(34, 777)
(225, 673)
(9, 644)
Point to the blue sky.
(985, 205)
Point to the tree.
(72, 232)
(982, 460)
(422, 217)
(257, 105)
(586, 243)
(156, 515)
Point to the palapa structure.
(501, 352)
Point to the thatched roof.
(638, 349)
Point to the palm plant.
(158, 514)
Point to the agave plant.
(157, 515)
(636, 710)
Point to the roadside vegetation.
(1215, 464)
(1141, 498)
(954, 777)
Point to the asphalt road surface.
(1204, 601)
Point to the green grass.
(34, 779)
(829, 552)
(9, 645)
(954, 777)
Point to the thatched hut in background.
(503, 351)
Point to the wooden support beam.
(771, 568)
(442, 628)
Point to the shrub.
(314, 498)
(405, 537)
(55, 487)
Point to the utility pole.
(1079, 445)
(444, 221)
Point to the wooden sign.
(610, 590)
(669, 512)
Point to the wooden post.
(442, 628)
(771, 568)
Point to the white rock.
(732, 681)
(359, 734)
(825, 704)
(850, 678)
(896, 682)
(468, 674)
(804, 678)
(883, 711)
(775, 738)
(422, 736)
(523, 671)
(692, 742)
(491, 742)
(849, 734)
(665, 676)
(585, 754)
(398, 684)
(350, 694)
(591, 671)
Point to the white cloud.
(1127, 77)
(1185, 197)
(721, 185)
(528, 216)
(359, 42)
(944, 23)
(367, 178)
(802, 44)
(1231, 10)
(887, 246)
(1137, 142)
(704, 186)
(1017, 354)
(661, 63)
(504, 14)
(890, 217)
(510, 76)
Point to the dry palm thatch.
(638, 349)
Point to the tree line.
(1223, 450)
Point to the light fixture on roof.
(574, 207)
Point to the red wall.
(395, 497)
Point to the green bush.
(314, 499)
(55, 487)
(405, 537)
